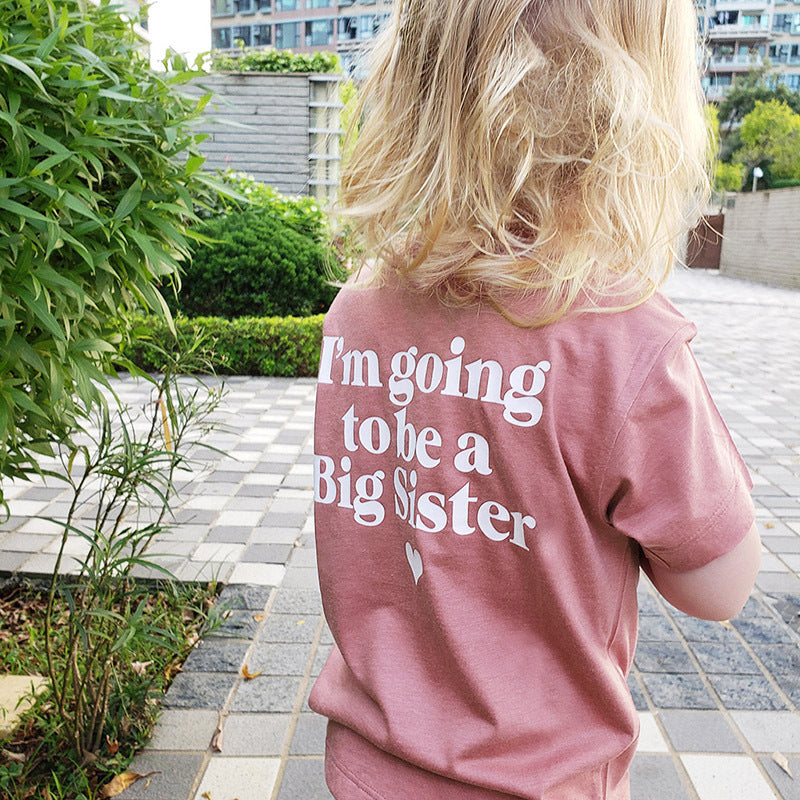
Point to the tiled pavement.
(718, 702)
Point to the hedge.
(268, 346)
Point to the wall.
(762, 237)
(280, 128)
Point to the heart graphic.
(414, 561)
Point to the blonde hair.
(514, 146)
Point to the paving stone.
(233, 534)
(279, 659)
(289, 628)
(174, 774)
(701, 630)
(255, 734)
(654, 628)
(301, 578)
(654, 777)
(268, 553)
(662, 657)
(261, 574)
(298, 601)
(323, 651)
(762, 630)
(238, 624)
(770, 731)
(244, 597)
(772, 582)
(309, 735)
(199, 690)
(648, 605)
(677, 691)
(274, 535)
(700, 731)
(11, 561)
(722, 776)
(256, 490)
(248, 778)
(790, 684)
(266, 693)
(184, 729)
(788, 606)
(304, 779)
(779, 658)
(788, 787)
(724, 658)
(217, 655)
(752, 692)
(272, 519)
(753, 608)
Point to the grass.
(36, 763)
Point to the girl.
(510, 422)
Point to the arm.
(717, 591)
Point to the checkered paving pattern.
(718, 703)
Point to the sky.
(183, 25)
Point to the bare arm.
(717, 591)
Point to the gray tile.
(304, 779)
(662, 657)
(788, 787)
(244, 597)
(174, 774)
(654, 628)
(237, 624)
(184, 729)
(266, 693)
(278, 520)
(746, 692)
(323, 651)
(272, 535)
(255, 734)
(699, 731)
(289, 628)
(772, 582)
(702, 630)
(232, 534)
(280, 659)
(217, 655)
(779, 659)
(11, 561)
(724, 658)
(762, 630)
(199, 690)
(267, 553)
(677, 691)
(309, 735)
(648, 604)
(656, 778)
(301, 578)
(256, 490)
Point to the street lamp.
(757, 173)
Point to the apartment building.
(741, 34)
(341, 26)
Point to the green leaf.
(130, 200)
(194, 163)
(38, 305)
(46, 141)
(49, 162)
(22, 67)
(17, 208)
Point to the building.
(341, 26)
(741, 34)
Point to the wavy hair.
(507, 147)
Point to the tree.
(758, 84)
(771, 133)
(98, 180)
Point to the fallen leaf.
(17, 758)
(769, 524)
(119, 783)
(216, 740)
(726, 623)
(258, 617)
(300, 622)
(113, 747)
(206, 795)
(140, 667)
(248, 676)
(783, 762)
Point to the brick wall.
(762, 238)
(273, 136)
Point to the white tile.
(259, 574)
(302, 469)
(651, 740)
(771, 563)
(246, 456)
(726, 777)
(217, 551)
(206, 502)
(27, 508)
(239, 518)
(284, 449)
(43, 526)
(768, 731)
(263, 479)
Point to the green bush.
(256, 265)
(98, 180)
(272, 346)
(272, 60)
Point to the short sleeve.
(674, 480)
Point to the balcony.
(743, 5)
(735, 63)
(730, 32)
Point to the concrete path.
(718, 702)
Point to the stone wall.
(762, 237)
(276, 127)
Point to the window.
(318, 3)
(782, 22)
(242, 33)
(222, 8)
(265, 6)
(262, 35)
(792, 81)
(287, 35)
(319, 32)
(244, 6)
(366, 26)
(221, 38)
(285, 5)
(348, 27)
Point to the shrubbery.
(257, 265)
(275, 61)
(277, 346)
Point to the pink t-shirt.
(482, 493)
